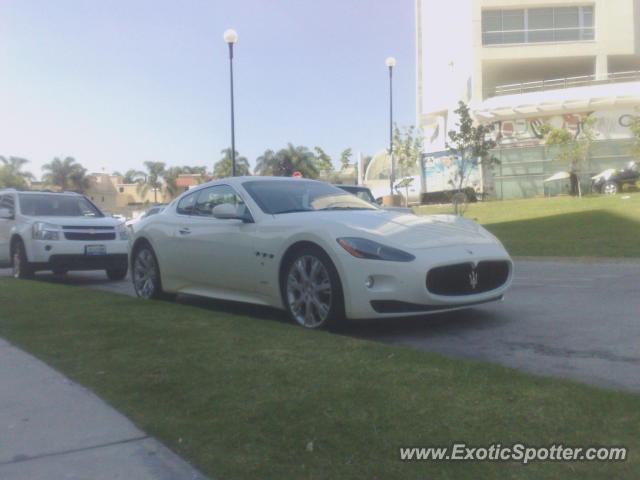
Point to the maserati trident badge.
(473, 278)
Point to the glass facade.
(538, 25)
(522, 170)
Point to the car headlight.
(363, 248)
(122, 232)
(45, 231)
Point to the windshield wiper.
(346, 208)
(294, 210)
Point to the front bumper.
(400, 289)
(71, 255)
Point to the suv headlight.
(122, 232)
(45, 231)
(363, 248)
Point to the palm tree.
(223, 168)
(266, 163)
(288, 161)
(152, 179)
(131, 176)
(66, 174)
(170, 177)
(15, 165)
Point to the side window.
(6, 201)
(185, 207)
(211, 197)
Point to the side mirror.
(6, 213)
(225, 211)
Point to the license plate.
(95, 250)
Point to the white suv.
(59, 232)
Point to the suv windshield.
(35, 205)
(286, 196)
(360, 192)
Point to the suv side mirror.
(6, 214)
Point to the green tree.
(8, 178)
(407, 148)
(223, 168)
(575, 151)
(131, 176)
(470, 144)
(287, 161)
(14, 167)
(66, 174)
(170, 177)
(323, 160)
(345, 158)
(152, 180)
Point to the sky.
(115, 83)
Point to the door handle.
(185, 231)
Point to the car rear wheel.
(20, 263)
(312, 291)
(610, 188)
(145, 275)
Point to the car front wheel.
(312, 291)
(20, 263)
(145, 275)
(610, 188)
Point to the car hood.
(411, 231)
(79, 221)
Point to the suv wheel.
(610, 188)
(20, 263)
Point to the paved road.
(575, 320)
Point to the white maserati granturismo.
(316, 251)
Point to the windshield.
(57, 206)
(286, 196)
(363, 193)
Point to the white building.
(522, 63)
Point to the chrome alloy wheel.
(309, 292)
(145, 273)
(17, 264)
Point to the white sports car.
(315, 250)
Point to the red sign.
(297, 175)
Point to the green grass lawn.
(244, 398)
(599, 226)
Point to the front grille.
(89, 236)
(464, 279)
(84, 227)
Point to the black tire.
(60, 271)
(19, 262)
(116, 273)
(308, 301)
(145, 275)
(610, 188)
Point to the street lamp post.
(230, 36)
(391, 62)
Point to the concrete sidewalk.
(52, 428)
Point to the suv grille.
(89, 233)
(463, 279)
(89, 236)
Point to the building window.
(537, 25)
(121, 189)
